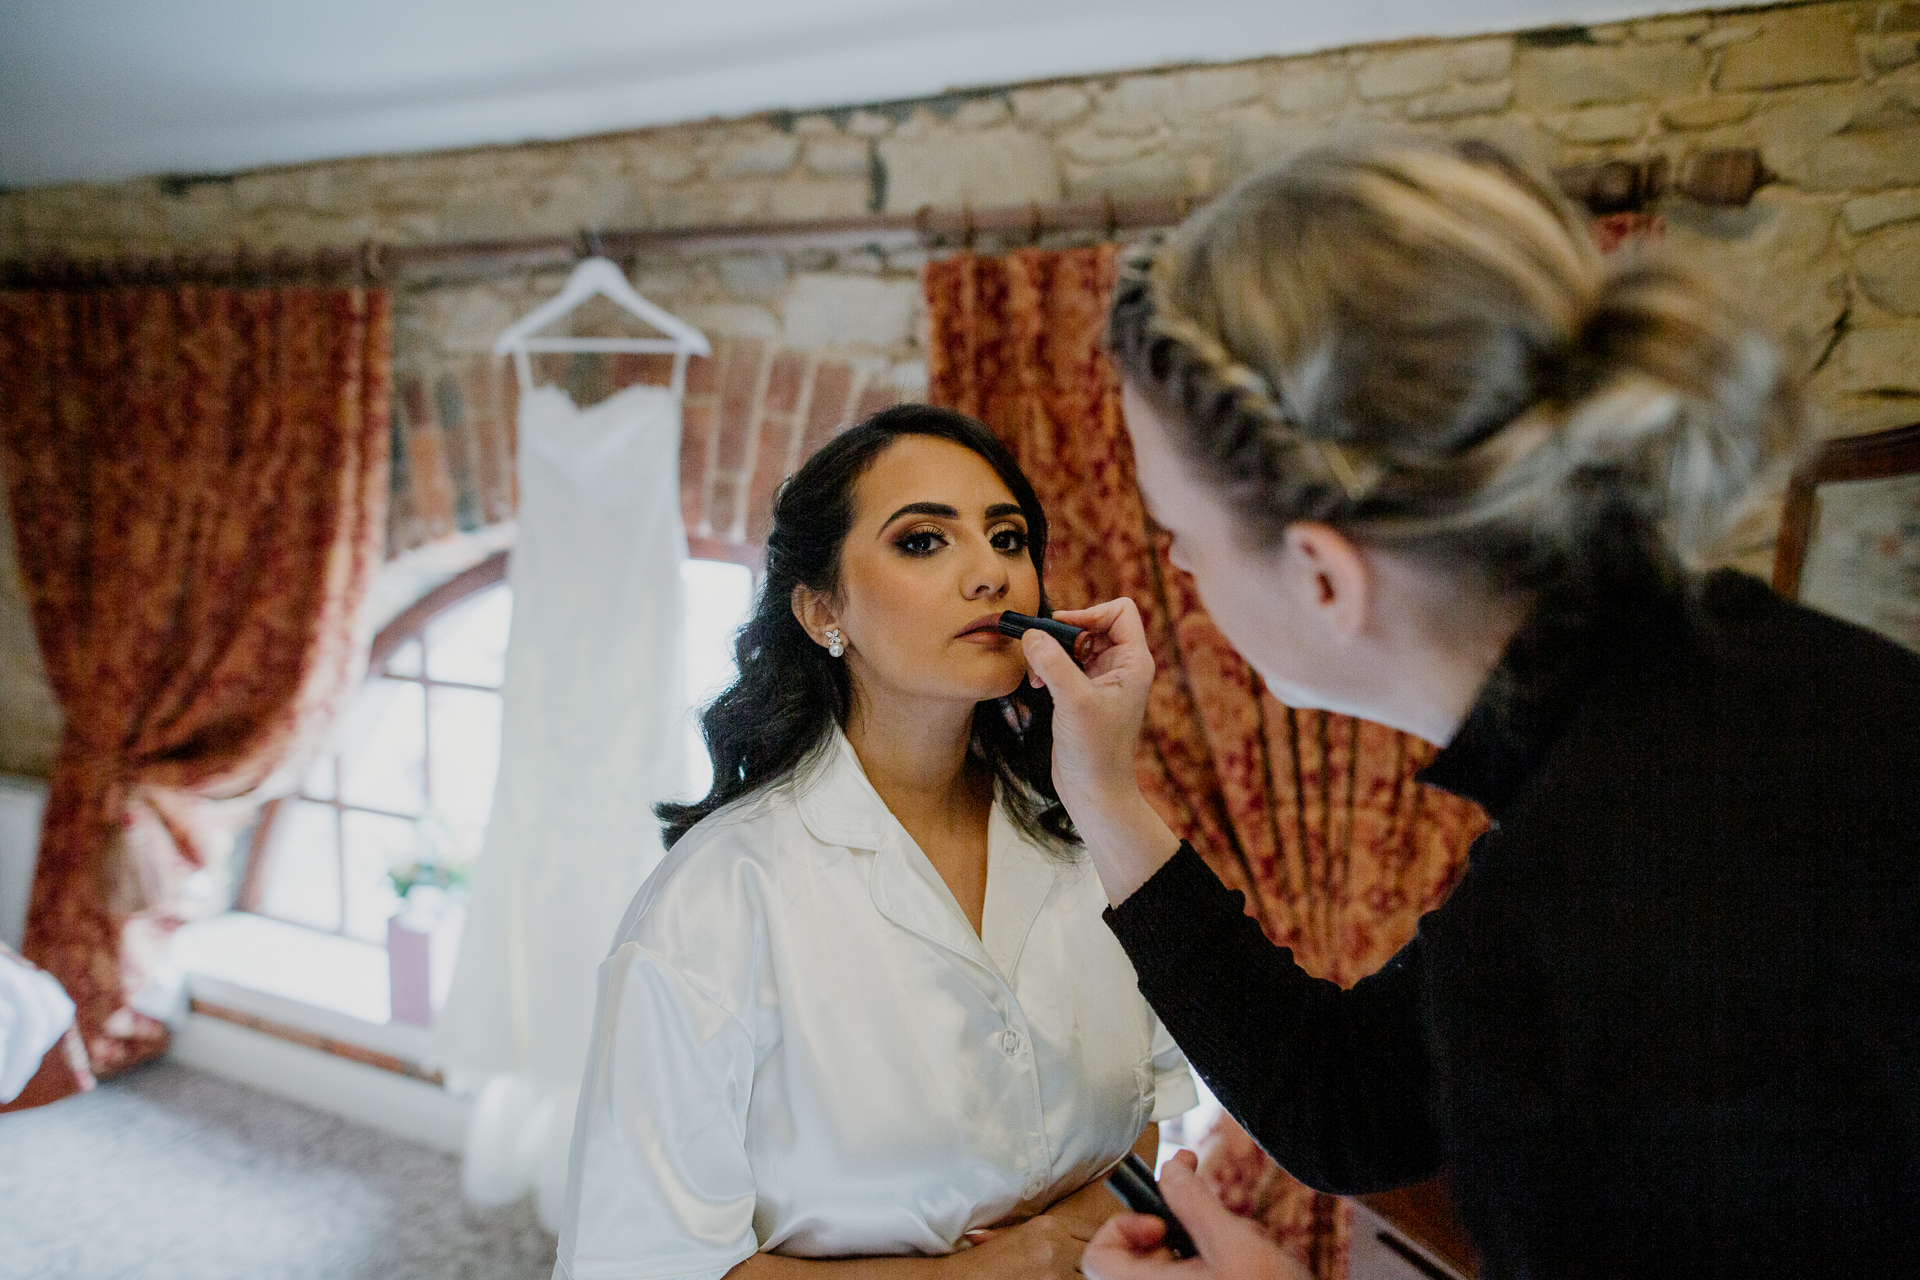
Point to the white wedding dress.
(591, 738)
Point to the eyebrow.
(945, 512)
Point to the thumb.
(1209, 1222)
(1048, 661)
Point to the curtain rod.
(372, 261)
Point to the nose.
(987, 577)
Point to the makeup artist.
(1433, 462)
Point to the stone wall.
(1829, 93)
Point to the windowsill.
(319, 984)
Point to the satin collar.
(838, 805)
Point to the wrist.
(1128, 842)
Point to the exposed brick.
(836, 386)
(1904, 16)
(1796, 47)
(1581, 75)
(1401, 75)
(1865, 213)
(743, 383)
(1887, 265)
(782, 432)
(874, 397)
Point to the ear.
(1329, 577)
(814, 612)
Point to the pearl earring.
(836, 643)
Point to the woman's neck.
(915, 755)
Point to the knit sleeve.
(1335, 1084)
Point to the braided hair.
(1421, 347)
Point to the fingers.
(1048, 662)
(1210, 1223)
(1128, 1248)
(1118, 618)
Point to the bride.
(865, 1019)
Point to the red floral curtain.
(198, 480)
(1316, 817)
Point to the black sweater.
(1669, 1021)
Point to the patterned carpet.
(171, 1174)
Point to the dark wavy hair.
(790, 693)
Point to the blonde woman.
(1431, 461)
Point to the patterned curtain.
(198, 480)
(1316, 817)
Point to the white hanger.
(600, 277)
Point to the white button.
(1010, 1042)
(1033, 1188)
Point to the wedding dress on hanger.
(591, 738)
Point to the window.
(411, 775)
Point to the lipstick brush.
(1073, 639)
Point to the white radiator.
(21, 800)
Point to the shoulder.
(718, 880)
(1745, 623)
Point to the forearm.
(1127, 840)
(1335, 1084)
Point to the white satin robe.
(802, 1047)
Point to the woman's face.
(938, 545)
(1249, 591)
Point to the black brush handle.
(1014, 624)
(1132, 1181)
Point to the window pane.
(304, 884)
(404, 661)
(465, 757)
(320, 778)
(374, 843)
(719, 596)
(387, 772)
(468, 642)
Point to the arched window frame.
(410, 624)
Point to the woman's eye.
(1009, 541)
(920, 542)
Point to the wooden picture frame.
(1881, 455)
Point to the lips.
(986, 622)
